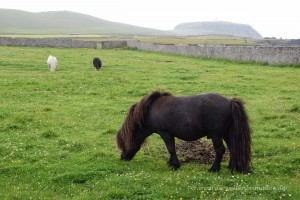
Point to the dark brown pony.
(97, 63)
(189, 118)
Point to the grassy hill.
(64, 22)
(217, 28)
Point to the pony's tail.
(240, 138)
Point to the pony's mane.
(135, 119)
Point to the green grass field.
(57, 130)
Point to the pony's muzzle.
(126, 157)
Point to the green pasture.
(57, 130)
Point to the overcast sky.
(270, 18)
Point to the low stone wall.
(60, 43)
(113, 44)
(264, 54)
(46, 42)
(270, 55)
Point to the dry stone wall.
(270, 55)
(46, 42)
(264, 54)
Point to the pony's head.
(126, 140)
(133, 132)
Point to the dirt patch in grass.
(198, 151)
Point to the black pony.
(97, 63)
(189, 118)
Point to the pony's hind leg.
(228, 143)
(170, 143)
(220, 150)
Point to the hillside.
(217, 28)
(64, 22)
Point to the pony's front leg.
(220, 150)
(170, 143)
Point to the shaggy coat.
(97, 63)
(52, 63)
(189, 118)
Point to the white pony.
(52, 62)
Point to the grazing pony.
(52, 63)
(97, 63)
(189, 118)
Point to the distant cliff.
(217, 28)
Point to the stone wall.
(264, 54)
(46, 42)
(113, 44)
(60, 43)
(270, 55)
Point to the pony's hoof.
(230, 166)
(174, 167)
(214, 169)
